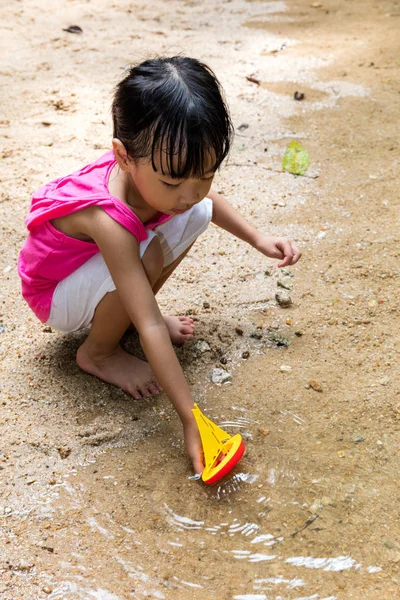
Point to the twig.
(253, 79)
(308, 522)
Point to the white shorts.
(76, 297)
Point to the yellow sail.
(212, 437)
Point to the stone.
(220, 376)
(264, 431)
(64, 452)
(315, 385)
(239, 331)
(245, 354)
(283, 298)
(200, 347)
(256, 335)
(47, 589)
(357, 439)
(285, 368)
(279, 340)
(285, 283)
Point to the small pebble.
(283, 299)
(315, 385)
(220, 376)
(358, 438)
(223, 360)
(285, 368)
(279, 340)
(285, 283)
(47, 589)
(206, 305)
(256, 335)
(264, 431)
(298, 333)
(245, 354)
(64, 452)
(239, 331)
(200, 346)
(341, 453)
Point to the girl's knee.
(153, 260)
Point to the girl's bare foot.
(181, 329)
(121, 369)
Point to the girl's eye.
(171, 185)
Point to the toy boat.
(221, 451)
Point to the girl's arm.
(226, 217)
(120, 251)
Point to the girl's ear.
(121, 154)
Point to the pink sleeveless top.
(48, 255)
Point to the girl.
(103, 240)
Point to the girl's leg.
(180, 329)
(101, 354)
(177, 236)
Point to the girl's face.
(164, 194)
(150, 188)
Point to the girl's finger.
(296, 254)
(286, 247)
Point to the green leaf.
(296, 159)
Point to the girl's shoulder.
(82, 188)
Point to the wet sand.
(95, 498)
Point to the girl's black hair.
(174, 107)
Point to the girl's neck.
(122, 186)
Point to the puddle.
(286, 524)
(288, 88)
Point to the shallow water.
(288, 523)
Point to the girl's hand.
(278, 247)
(193, 445)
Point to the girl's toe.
(153, 389)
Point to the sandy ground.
(95, 500)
